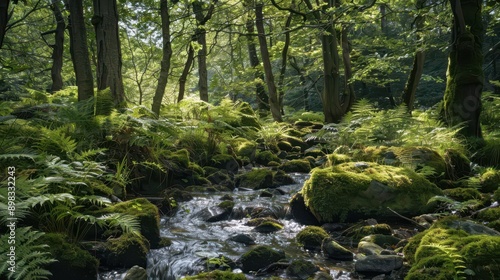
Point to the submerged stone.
(259, 257)
(335, 251)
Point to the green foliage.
(454, 207)
(395, 127)
(31, 257)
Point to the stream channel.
(193, 238)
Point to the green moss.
(440, 251)
(259, 178)
(463, 194)
(314, 153)
(127, 250)
(268, 226)
(489, 215)
(180, 158)
(258, 221)
(217, 275)
(146, 212)
(364, 190)
(359, 232)
(246, 149)
(490, 181)
(227, 204)
(72, 260)
(301, 269)
(285, 146)
(383, 240)
(311, 237)
(220, 263)
(334, 159)
(265, 157)
(225, 162)
(296, 165)
(260, 257)
(496, 195)
(165, 242)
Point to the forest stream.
(194, 239)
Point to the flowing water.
(193, 238)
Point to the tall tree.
(57, 47)
(410, 89)
(185, 72)
(464, 84)
(271, 86)
(260, 92)
(201, 38)
(4, 18)
(79, 49)
(109, 58)
(167, 55)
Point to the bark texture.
(271, 86)
(79, 50)
(109, 57)
(57, 48)
(167, 55)
(464, 84)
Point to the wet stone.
(378, 264)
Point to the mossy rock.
(314, 152)
(295, 141)
(246, 149)
(496, 195)
(285, 146)
(296, 165)
(219, 263)
(225, 162)
(146, 212)
(311, 237)
(259, 257)
(358, 232)
(217, 275)
(282, 178)
(333, 250)
(381, 154)
(268, 227)
(334, 159)
(126, 251)
(463, 194)
(360, 190)
(71, 259)
(265, 157)
(259, 178)
(422, 157)
(301, 269)
(382, 240)
(457, 165)
(179, 158)
(491, 217)
(450, 248)
(490, 181)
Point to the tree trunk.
(79, 50)
(260, 91)
(201, 38)
(284, 58)
(185, 72)
(4, 19)
(58, 47)
(410, 89)
(271, 87)
(167, 55)
(464, 84)
(349, 95)
(332, 108)
(109, 58)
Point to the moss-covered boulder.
(217, 275)
(126, 251)
(463, 194)
(296, 165)
(147, 214)
(491, 217)
(358, 232)
(246, 148)
(300, 212)
(259, 257)
(259, 178)
(136, 273)
(225, 162)
(311, 237)
(301, 269)
(265, 157)
(219, 263)
(333, 250)
(360, 190)
(490, 181)
(383, 240)
(454, 248)
(71, 259)
(457, 165)
(334, 159)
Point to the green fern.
(453, 206)
(455, 258)
(31, 257)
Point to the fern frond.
(65, 198)
(17, 156)
(127, 223)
